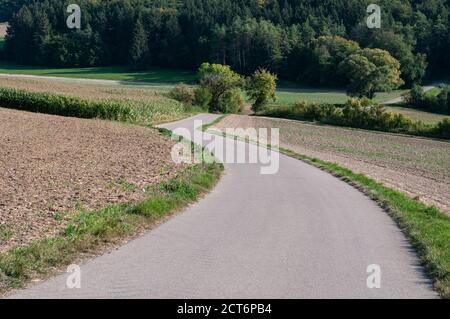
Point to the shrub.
(202, 97)
(231, 101)
(183, 94)
(315, 112)
(261, 87)
(443, 128)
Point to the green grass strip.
(89, 231)
(206, 126)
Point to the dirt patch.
(50, 166)
(417, 166)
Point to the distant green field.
(118, 73)
(288, 93)
(434, 91)
(332, 96)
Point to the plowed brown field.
(50, 166)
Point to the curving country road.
(300, 233)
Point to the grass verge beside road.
(91, 231)
(294, 94)
(287, 93)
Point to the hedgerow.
(360, 113)
(65, 106)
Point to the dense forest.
(300, 40)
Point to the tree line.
(319, 42)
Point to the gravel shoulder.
(417, 166)
(51, 166)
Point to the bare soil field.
(51, 166)
(159, 106)
(417, 166)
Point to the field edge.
(92, 233)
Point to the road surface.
(300, 233)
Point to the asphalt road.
(300, 233)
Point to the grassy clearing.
(90, 231)
(427, 227)
(290, 94)
(119, 73)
